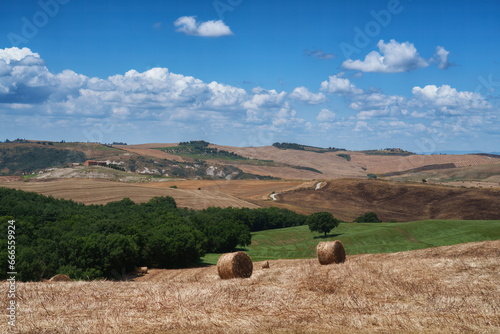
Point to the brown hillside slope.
(348, 199)
(451, 289)
(332, 166)
(485, 175)
(378, 164)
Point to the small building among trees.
(95, 163)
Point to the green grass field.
(298, 242)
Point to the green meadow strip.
(298, 242)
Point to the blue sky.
(420, 75)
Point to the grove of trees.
(54, 236)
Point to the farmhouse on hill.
(95, 163)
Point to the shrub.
(368, 217)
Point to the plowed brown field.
(348, 199)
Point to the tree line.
(55, 236)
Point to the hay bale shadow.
(328, 236)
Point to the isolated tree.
(322, 222)
(368, 217)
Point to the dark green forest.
(300, 147)
(200, 149)
(23, 160)
(54, 236)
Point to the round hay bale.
(330, 252)
(234, 265)
(60, 278)
(141, 270)
(265, 265)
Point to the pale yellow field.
(452, 289)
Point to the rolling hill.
(220, 172)
(350, 198)
(226, 162)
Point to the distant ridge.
(463, 152)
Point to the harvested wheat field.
(329, 164)
(332, 166)
(150, 151)
(244, 189)
(386, 164)
(10, 178)
(92, 191)
(451, 289)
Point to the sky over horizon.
(420, 75)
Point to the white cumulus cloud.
(338, 85)
(441, 57)
(326, 115)
(190, 26)
(362, 126)
(377, 101)
(393, 57)
(448, 100)
(303, 94)
(16, 54)
(263, 98)
(286, 117)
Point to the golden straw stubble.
(234, 265)
(330, 252)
